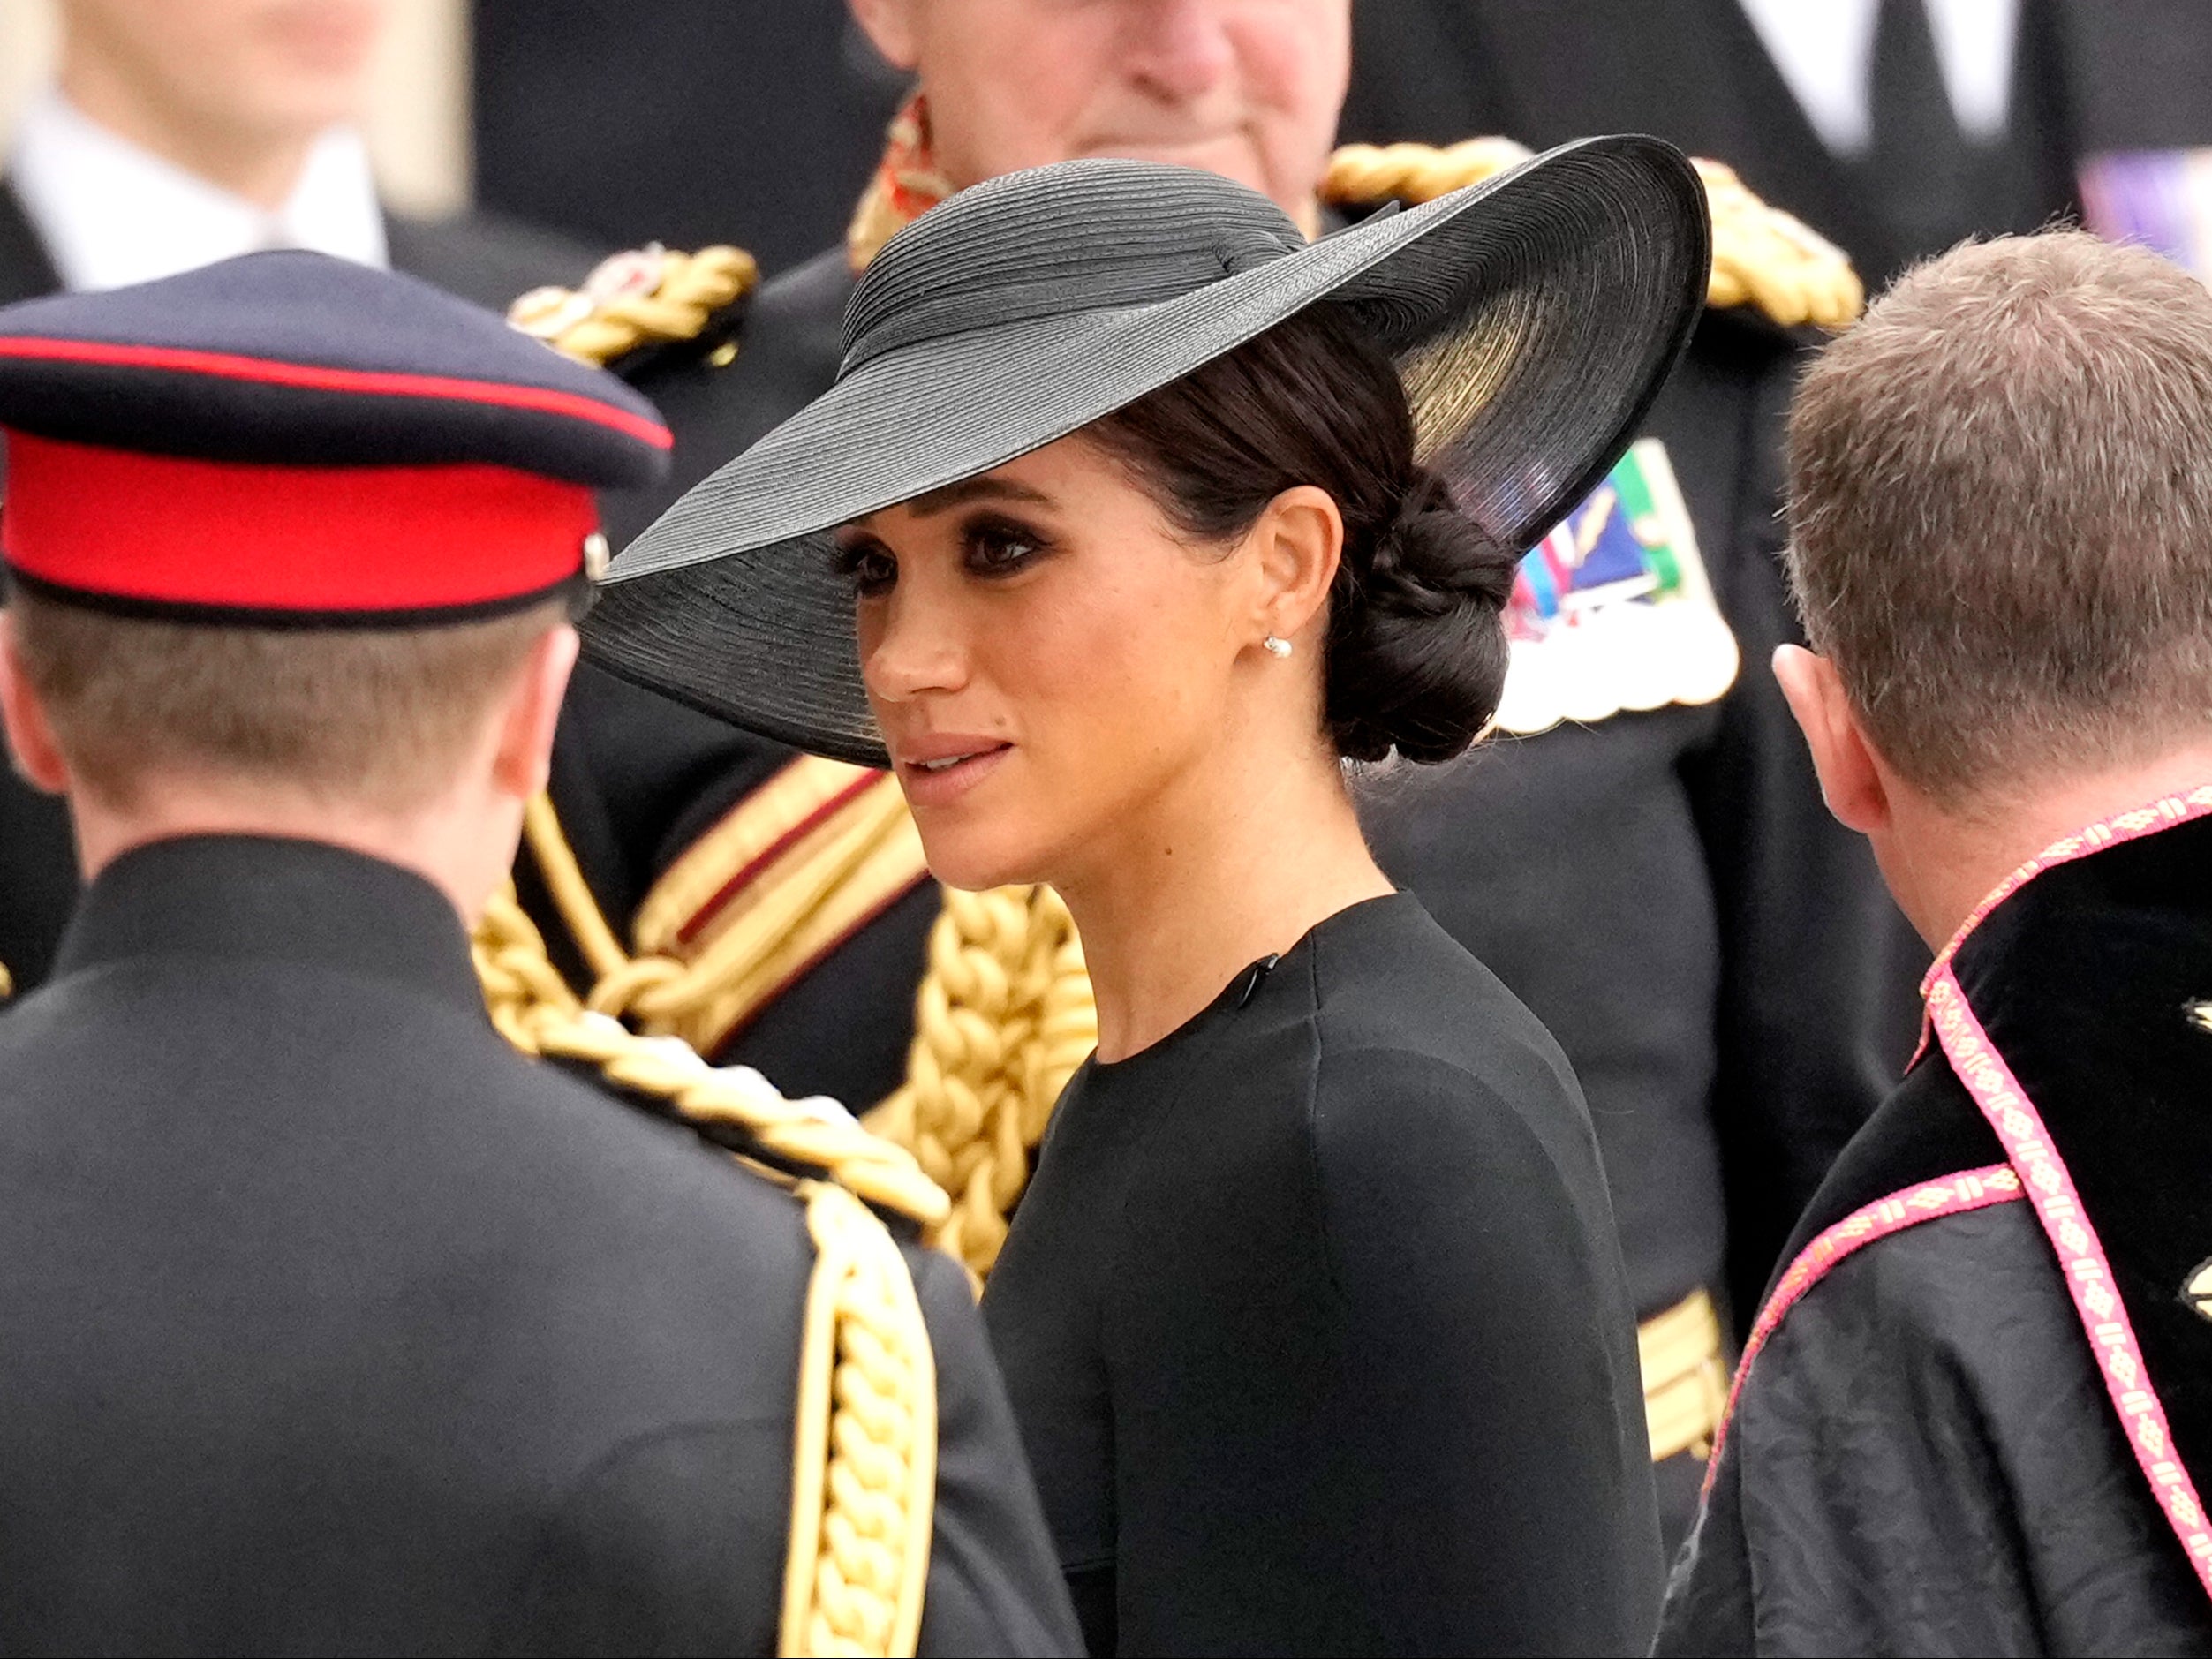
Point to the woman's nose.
(917, 646)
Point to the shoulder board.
(1763, 258)
(643, 304)
(1774, 262)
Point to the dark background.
(689, 122)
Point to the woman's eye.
(1002, 549)
(868, 568)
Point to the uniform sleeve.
(1923, 1461)
(1818, 1005)
(676, 1541)
(994, 1582)
(1499, 1478)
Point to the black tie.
(1921, 168)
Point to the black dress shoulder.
(1313, 1322)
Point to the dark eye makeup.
(866, 563)
(998, 545)
(993, 547)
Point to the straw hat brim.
(1534, 317)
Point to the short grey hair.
(2000, 505)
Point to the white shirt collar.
(110, 214)
(1826, 51)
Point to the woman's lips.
(946, 776)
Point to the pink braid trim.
(2081, 1257)
(1953, 1195)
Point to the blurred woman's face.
(1046, 660)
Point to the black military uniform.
(484, 260)
(334, 1323)
(1974, 1415)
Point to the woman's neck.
(1225, 870)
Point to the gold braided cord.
(864, 1465)
(517, 975)
(571, 894)
(539, 1014)
(622, 308)
(1004, 1017)
(870, 853)
(864, 1469)
(1761, 256)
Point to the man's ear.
(30, 735)
(523, 759)
(1299, 538)
(890, 26)
(1852, 781)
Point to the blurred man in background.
(1895, 127)
(176, 135)
(1648, 866)
(178, 132)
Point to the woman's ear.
(1299, 538)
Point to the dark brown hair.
(1416, 643)
(2001, 512)
(381, 718)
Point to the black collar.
(300, 902)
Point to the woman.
(1131, 517)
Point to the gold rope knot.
(646, 297)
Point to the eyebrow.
(985, 488)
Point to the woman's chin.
(976, 863)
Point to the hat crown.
(1074, 237)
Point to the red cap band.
(162, 531)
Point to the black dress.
(1315, 1325)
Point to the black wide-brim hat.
(1533, 318)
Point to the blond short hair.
(380, 717)
(2001, 511)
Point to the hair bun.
(1417, 662)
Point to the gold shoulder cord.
(864, 1457)
(1003, 1017)
(647, 297)
(1761, 256)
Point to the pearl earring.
(1275, 647)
